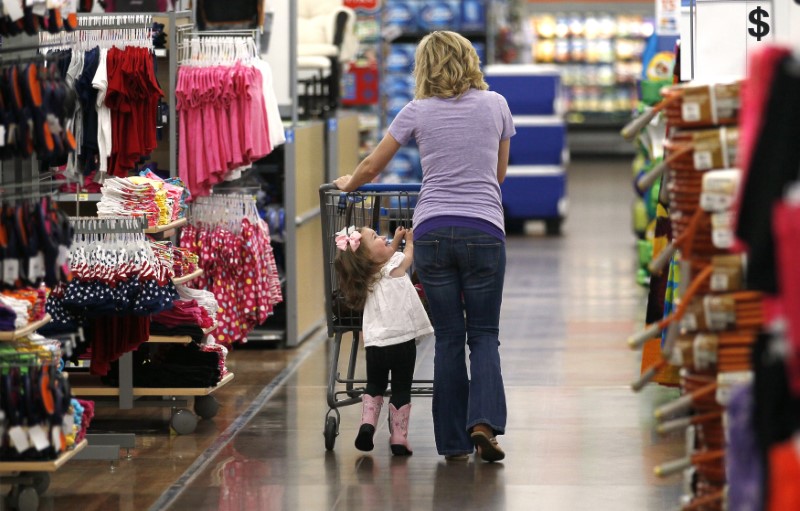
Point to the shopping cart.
(383, 207)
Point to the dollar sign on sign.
(761, 27)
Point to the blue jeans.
(452, 263)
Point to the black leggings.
(400, 360)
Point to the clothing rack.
(187, 45)
(121, 225)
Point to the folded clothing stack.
(184, 312)
(130, 197)
(205, 299)
(20, 306)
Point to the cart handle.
(378, 187)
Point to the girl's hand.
(400, 232)
(409, 235)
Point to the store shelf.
(169, 339)
(165, 228)
(86, 385)
(187, 278)
(42, 466)
(22, 332)
(177, 339)
(78, 197)
(414, 37)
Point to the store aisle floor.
(578, 438)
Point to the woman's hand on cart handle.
(342, 182)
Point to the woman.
(463, 132)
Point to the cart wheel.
(206, 406)
(552, 226)
(28, 499)
(41, 481)
(330, 433)
(183, 422)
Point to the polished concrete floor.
(577, 437)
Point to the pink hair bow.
(348, 236)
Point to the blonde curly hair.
(446, 66)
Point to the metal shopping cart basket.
(383, 207)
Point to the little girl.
(373, 276)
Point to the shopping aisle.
(577, 437)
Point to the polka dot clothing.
(239, 268)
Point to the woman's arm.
(502, 159)
(371, 166)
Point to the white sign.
(668, 16)
(726, 32)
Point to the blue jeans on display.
(452, 263)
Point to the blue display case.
(535, 187)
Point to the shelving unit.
(187, 278)
(30, 479)
(127, 396)
(26, 330)
(86, 385)
(165, 229)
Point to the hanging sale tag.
(727, 31)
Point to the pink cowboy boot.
(398, 427)
(370, 410)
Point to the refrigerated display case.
(599, 54)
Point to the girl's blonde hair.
(357, 273)
(446, 66)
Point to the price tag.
(19, 439)
(10, 271)
(68, 423)
(705, 351)
(36, 267)
(39, 438)
(55, 438)
(14, 10)
(690, 112)
(703, 160)
(39, 9)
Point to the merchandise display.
(714, 320)
(233, 246)
(410, 21)
(600, 57)
(114, 124)
(233, 129)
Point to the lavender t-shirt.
(458, 141)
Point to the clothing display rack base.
(183, 421)
(30, 479)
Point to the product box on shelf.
(528, 89)
(473, 15)
(540, 140)
(405, 166)
(360, 85)
(396, 103)
(480, 49)
(401, 14)
(401, 58)
(441, 15)
(395, 84)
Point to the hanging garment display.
(228, 115)
(34, 106)
(112, 73)
(35, 401)
(233, 245)
(118, 282)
